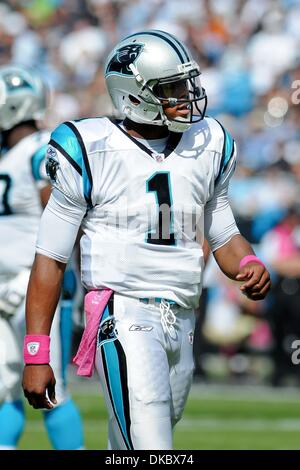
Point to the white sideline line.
(222, 392)
(91, 427)
(241, 424)
(208, 425)
(245, 393)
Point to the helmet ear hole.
(134, 100)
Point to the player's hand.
(255, 280)
(39, 385)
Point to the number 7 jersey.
(22, 174)
(139, 213)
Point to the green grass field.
(215, 418)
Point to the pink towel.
(94, 305)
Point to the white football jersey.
(140, 210)
(22, 174)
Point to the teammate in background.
(139, 189)
(24, 189)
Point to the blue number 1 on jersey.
(160, 184)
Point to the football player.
(24, 188)
(139, 189)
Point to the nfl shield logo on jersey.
(33, 348)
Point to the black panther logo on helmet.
(124, 56)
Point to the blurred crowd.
(249, 53)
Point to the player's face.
(177, 90)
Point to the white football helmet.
(142, 73)
(23, 96)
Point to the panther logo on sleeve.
(52, 163)
(123, 58)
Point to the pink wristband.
(250, 259)
(36, 349)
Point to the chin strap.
(179, 127)
(173, 126)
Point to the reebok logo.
(140, 328)
(33, 348)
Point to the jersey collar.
(171, 144)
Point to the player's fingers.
(28, 396)
(38, 400)
(255, 279)
(263, 281)
(41, 403)
(246, 274)
(260, 295)
(32, 401)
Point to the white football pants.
(145, 361)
